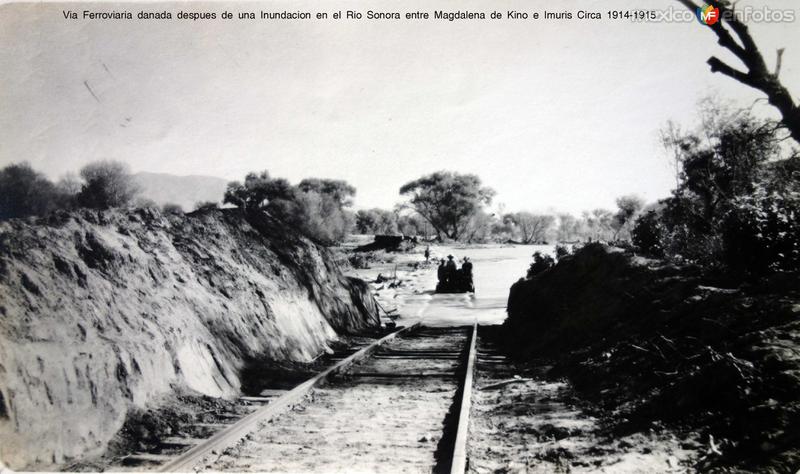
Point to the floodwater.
(495, 269)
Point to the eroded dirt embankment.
(651, 344)
(102, 313)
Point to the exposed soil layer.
(105, 314)
(385, 414)
(658, 344)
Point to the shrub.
(107, 184)
(762, 233)
(316, 207)
(320, 217)
(648, 234)
(562, 251)
(25, 192)
(541, 262)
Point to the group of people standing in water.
(453, 279)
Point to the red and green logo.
(708, 15)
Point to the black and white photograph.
(348, 236)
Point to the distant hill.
(183, 190)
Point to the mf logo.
(708, 15)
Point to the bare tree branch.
(757, 76)
(719, 66)
(778, 63)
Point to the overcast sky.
(553, 115)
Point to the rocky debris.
(654, 343)
(103, 313)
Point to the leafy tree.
(321, 217)
(598, 224)
(69, 185)
(628, 207)
(260, 191)
(568, 229)
(532, 227)
(737, 201)
(504, 229)
(479, 228)
(366, 221)
(412, 224)
(25, 192)
(720, 163)
(761, 234)
(340, 191)
(316, 206)
(376, 221)
(447, 200)
(649, 233)
(107, 184)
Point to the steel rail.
(459, 463)
(186, 461)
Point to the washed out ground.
(536, 423)
(524, 421)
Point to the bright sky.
(553, 115)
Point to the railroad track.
(399, 403)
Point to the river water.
(495, 269)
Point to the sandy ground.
(365, 421)
(540, 426)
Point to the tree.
(598, 223)
(733, 35)
(316, 206)
(723, 160)
(69, 185)
(648, 234)
(569, 228)
(479, 228)
(376, 221)
(532, 228)
(340, 191)
(260, 191)
(107, 184)
(628, 207)
(25, 192)
(447, 200)
(321, 217)
(412, 224)
(737, 201)
(366, 221)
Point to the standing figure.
(442, 274)
(466, 270)
(427, 253)
(452, 274)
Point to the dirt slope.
(103, 312)
(653, 343)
